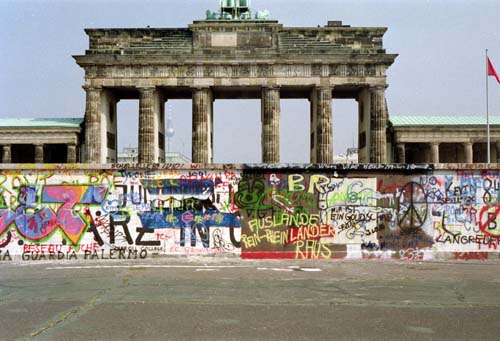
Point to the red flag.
(492, 71)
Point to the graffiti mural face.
(129, 213)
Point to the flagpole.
(487, 114)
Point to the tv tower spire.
(170, 132)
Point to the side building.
(411, 139)
(41, 140)
(444, 139)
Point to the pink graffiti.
(35, 223)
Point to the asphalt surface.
(231, 299)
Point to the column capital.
(271, 87)
(377, 87)
(146, 88)
(88, 88)
(201, 88)
(324, 87)
(320, 89)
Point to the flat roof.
(40, 122)
(442, 120)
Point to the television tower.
(170, 132)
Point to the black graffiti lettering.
(233, 238)
(5, 256)
(141, 232)
(487, 194)
(133, 197)
(492, 225)
(56, 255)
(121, 253)
(6, 242)
(97, 236)
(487, 197)
(118, 220)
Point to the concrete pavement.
(227, 298)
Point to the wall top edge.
(257, 167)
(103, 60)
(204, 23)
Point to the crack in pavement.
(76, 311)
(68, 315)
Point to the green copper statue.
(236, 10)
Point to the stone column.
(324, 132)
(111, 118)
(211, 126)
(400, 153)
(160, 124)
(321, 125)
(202, 135)
(434, 146)
(312, 125)
(498, 151)
(270, 115)
(38, 153)
(468, 152)
(378, 122)
(6, 154)
(71, 157)
(93, 125)
(146, 148)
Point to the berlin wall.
(407, 212)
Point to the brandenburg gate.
(221, 58)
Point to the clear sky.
(440, 68)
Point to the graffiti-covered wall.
(357, 211)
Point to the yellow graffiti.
(296, 220)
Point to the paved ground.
(218, 299)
